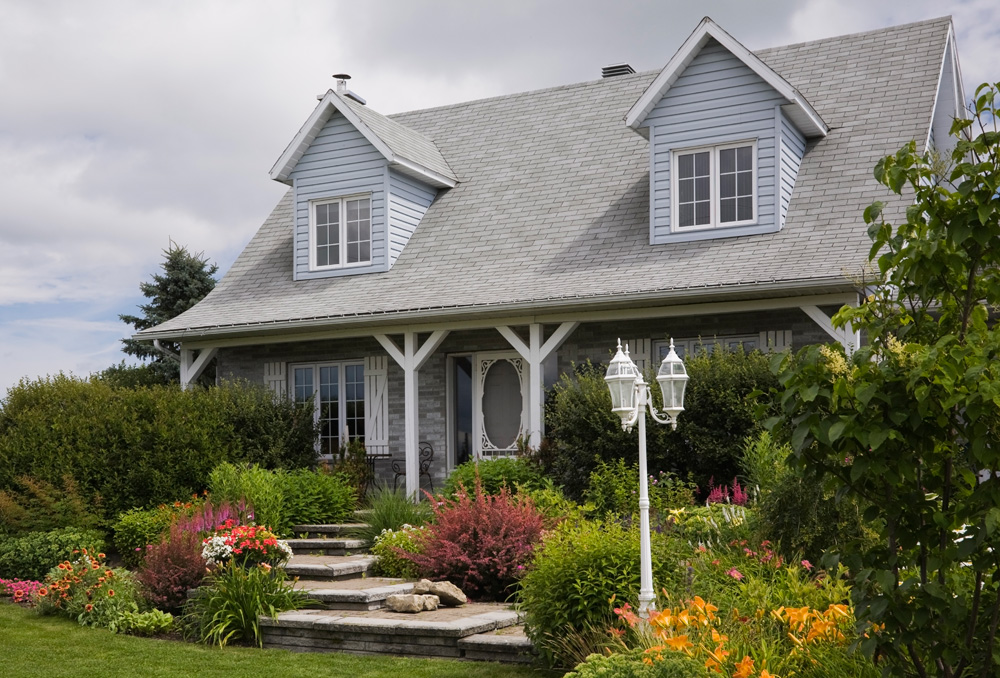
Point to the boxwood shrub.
(34, 554)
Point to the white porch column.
(191, 367)
(534, 353)
(411, 359)
(848, 337)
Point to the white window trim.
(342, 200)
(713, 172)
(341, 394)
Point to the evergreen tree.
(185, 281)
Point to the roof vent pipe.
(342, 79)
(616, 69)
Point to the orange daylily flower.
(679, 643)
(744, 668)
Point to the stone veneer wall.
(593, 341)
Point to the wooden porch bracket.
(534, 353)
(848, 337)
(411, 358)
(191, 367)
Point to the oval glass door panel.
(502, 404)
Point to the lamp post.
(630, 399)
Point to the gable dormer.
(726, 136)
(361, 184)
(949, 102)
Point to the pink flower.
(806, 564)
(735, 574)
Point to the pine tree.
(185, 281)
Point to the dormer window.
(340, 232)
(715, 186)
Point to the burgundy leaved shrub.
(172, 567)
(481, 543)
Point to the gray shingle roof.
(403, 141)
(553, 207)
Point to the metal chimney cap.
(341, 76)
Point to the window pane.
(745, 209)
(685, 166)
(744, 183)
(685, 190)
(702, 214)
(744, 158)
(354, 401)
(686, 216)
(727, 185)
(322, 256)
(352, 210)
(365, 231)
(702, 186)
(352, 232)
(365, 210)
(727, 160)
(727, 210)
(365, 252)
(302, 381)
(701, 164)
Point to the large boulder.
(408, 602)
(450, 595)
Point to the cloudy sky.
(125, 125)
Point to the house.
(427, 273)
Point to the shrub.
(86, 590)
(352, 463)
(136, 529)
(801, 516)
(614, 489)
(630, 664)
(719, 414)
(172, 567)
(260, 490)
(34, 554)
(393, 548)
(579, 566)
(34, 505)
(481, 543)
(493, 474)
(764, 461)
(317, 497)
(159, 441)
(230, 606)
(554, 506)
(389, 509)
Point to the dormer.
(949, 102)
(361, 184)
(726, 136)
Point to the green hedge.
(494, 474)
(34, 554)
(145, 446)
(718, 416)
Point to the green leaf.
(836, 429)
(809, 393)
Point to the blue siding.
(945, 109)
(793, 147)
(408, 202)
(717, 99)
(339, 162)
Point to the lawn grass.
(32, 646)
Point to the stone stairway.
(347, 612)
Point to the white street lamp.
(630, 399)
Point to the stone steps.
(509, 646)
(428, 634)
(329, 568)
(328, 531)
(327, 546)
(352, 594)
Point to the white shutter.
(775, 341)
(376, 404)
(639, 350)
(276, 379)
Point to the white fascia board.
(805, 116)
(418, 171)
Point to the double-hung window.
(337, 391)
(715, 186)
(340, 232)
